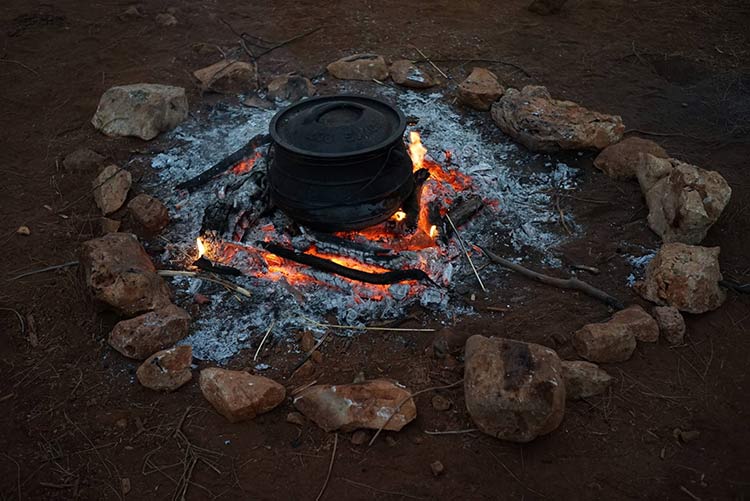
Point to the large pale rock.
(686, 203)
(480, 89)
(684, 276)
(110, 188)
(227, 76)
(611, 341)
(671, 323)
(514, 391)
(290, 87)
(149, 213)
(639, 322)
(540, 123)
(584, 379)
(144, 335)
(83, 160)
(651, 169)
(166, 370)
(359, 67)
(621, 160)
(140, 110)
(406, 73)
(347, 407)
(119, 273)
(238, 395)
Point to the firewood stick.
(466, 251)
(228, 285)
(563, 283)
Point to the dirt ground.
(75, 424)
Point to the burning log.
(411, 204)
(370, 249)
(224, 165)
(461, 212)
(388, 277)
(207, 265)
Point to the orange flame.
(201, 247)
(245, 165)
(417, 151)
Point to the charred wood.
(411, 204)
(211, 267)
(460, 213)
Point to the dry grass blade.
(330, 467)
(20, 319)
(262, 341)
(390, 493)
(43, 270)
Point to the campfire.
(419, 253)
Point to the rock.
(125, 486)
(360, 437)
(148, 213)
(307, 342)
(641, 324)
(166, 370)
(621, 160)
(440, 403)
(146, 334)
(239, 396)
(111, 188)
(651, 169)
(23, 230)
(514, 391)
(141, 110)
(540, 123)
(258, 102)
(83, 160)
(347, 407)
(546, 7)
(290, 87)
(316, 357)
(165, 19)
(306, 370)
(671, 323)
(686, 203)
(228, 76)
(359, 67)
(447, 342)
(134, 11)
(120, 274)
(404, 72)
(480, 89)
(109, 225)
(437, 468)
(611, 341)
(685, 436)
(684, 276)
(295, 418)
(583, 379)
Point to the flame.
(433, 233)
(417, 151)
(399, 216)
(245, 165)
(201, 247)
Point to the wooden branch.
(563, 283)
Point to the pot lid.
(337, 126)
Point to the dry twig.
(192, 274)
(257, 352)
(43, 270)
(466, 251)
(431, 63)
(330, 467)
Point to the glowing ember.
(245, 165)
(433, 231)
(399, 216)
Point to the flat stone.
(641, 324)
(407, 74)
(685, 204)
(531, 117)
(83, 160)
(514, 391)
(359, 67)
(621, 160)
(290, 88)
(110, 188)
(611, 341)
(684, 276)
(229, 76)
(166, 370)
(119, 273)
(671, 323)
(348, 407)
(148, 213)
(141, 110)
(584, 379)
(238, 395)
(144, 335)
(480, 89)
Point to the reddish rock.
(671, 323)
(83, 160)
(540, 123)
(307, 342)
(480, 89)
(605, 342)
(119, 273)
(238, 395)
(621, 160)
(514, 391)
(684, 276)
(406, 73)
(110, 188)
(144, 335)
(651, 169)
(166, 370)
(290, 87)
(229, 76)
(448, 341)
(109, 225)
(148, 213)
(584, 379)
(639, 322)
(348, 407)
(359, 67)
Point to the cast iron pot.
(339, 162)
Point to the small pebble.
(295, 418)
(437, 468)
(317, 357)
(360, 437)
(23, 230)
(440, 403)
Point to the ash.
(519, 214)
